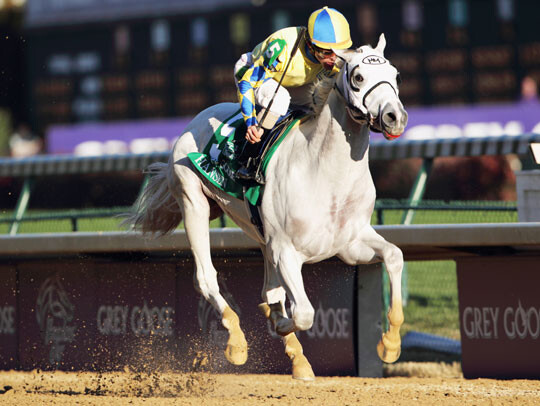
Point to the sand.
(203, 388)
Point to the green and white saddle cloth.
(219, 160)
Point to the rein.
(360, 117)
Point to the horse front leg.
(288, 270)
(274, 310)
(389, 347)
(368, 248)
(301, 368)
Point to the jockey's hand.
(254, 134)
(339, 62)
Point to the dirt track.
(129, 388)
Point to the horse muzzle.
(392, 121)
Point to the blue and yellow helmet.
(329, 29)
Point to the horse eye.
(358, 78)
(398, 78)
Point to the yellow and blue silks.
(270, 58)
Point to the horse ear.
(382, 44)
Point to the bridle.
(375, 123)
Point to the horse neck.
(336, 142)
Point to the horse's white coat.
(318, 198)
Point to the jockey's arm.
(266, 66)
(252, 78)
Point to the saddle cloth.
(218, 162)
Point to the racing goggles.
(321, 52)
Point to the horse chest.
(321, 230)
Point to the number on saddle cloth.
(230, 147)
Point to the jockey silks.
(267, 62)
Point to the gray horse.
(317, 203)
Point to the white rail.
(441, 241)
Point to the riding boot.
(249, 169)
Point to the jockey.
(257, 73)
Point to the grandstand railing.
(379, 150)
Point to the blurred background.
(67, 61)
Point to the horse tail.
(156, 210)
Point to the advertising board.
(57, 302)
(135, 315)
(8, 318)
(95, 314)
(499, 309)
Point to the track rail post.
(22, 204)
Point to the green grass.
(449, 216)
(107, 222)
(55, 221)
(432, 306)
(54, 224)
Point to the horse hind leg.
(236, 351)
(196, 213)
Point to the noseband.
(375, 123)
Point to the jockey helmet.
(329, 29)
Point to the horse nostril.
(390, 117)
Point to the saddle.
(220, 159)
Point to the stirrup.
(245, 173)
(251, 171)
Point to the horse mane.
(320, 89)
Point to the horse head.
(369, 83)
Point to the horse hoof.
(283, 326)
(235, 355)
(305, 378)
(237, 351)
(388, 355)
(301, 369)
